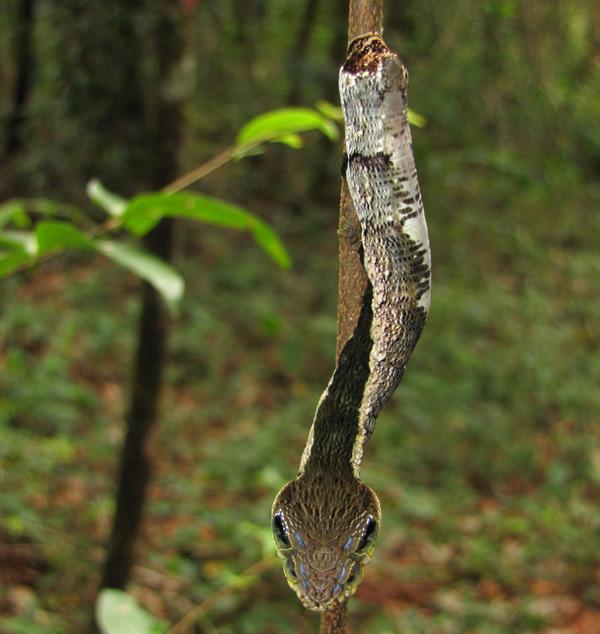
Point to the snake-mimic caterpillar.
(326, 520)
(382, 179)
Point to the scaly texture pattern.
(382, 179)
(326, 520)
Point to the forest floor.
(487, 462)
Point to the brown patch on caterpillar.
(381, 160)
(365, 53)
(336, 421)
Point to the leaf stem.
(209, 167)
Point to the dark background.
(487, 460)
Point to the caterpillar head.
(325, 530)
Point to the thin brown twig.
(235, 151)
(333, 621)
(202, 170)
(363, 16)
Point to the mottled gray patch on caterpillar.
(382, 180)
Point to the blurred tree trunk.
(13, 140)
(299, 55)
(246, 12)
(285, 167)
(95, 96)
(141, 421)
(162, 137)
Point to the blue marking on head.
(348, 543)
(299, 539)
(336, 589)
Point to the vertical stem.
(334, 620)
(364, 16)
(352, 280)
(299, 52)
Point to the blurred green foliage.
(140, 214)
(488, 459)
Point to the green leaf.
(270, 243)
(54, 235)
(119, 613)
(291, 140)
(18, 211)
(145, 211)
(335, 112)
(111, 203)
(330, 111)
(14, 210)
(271, 126)
(12, 260)
(165, 279)
(416, 119)
(20, 240)
(47, 207)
